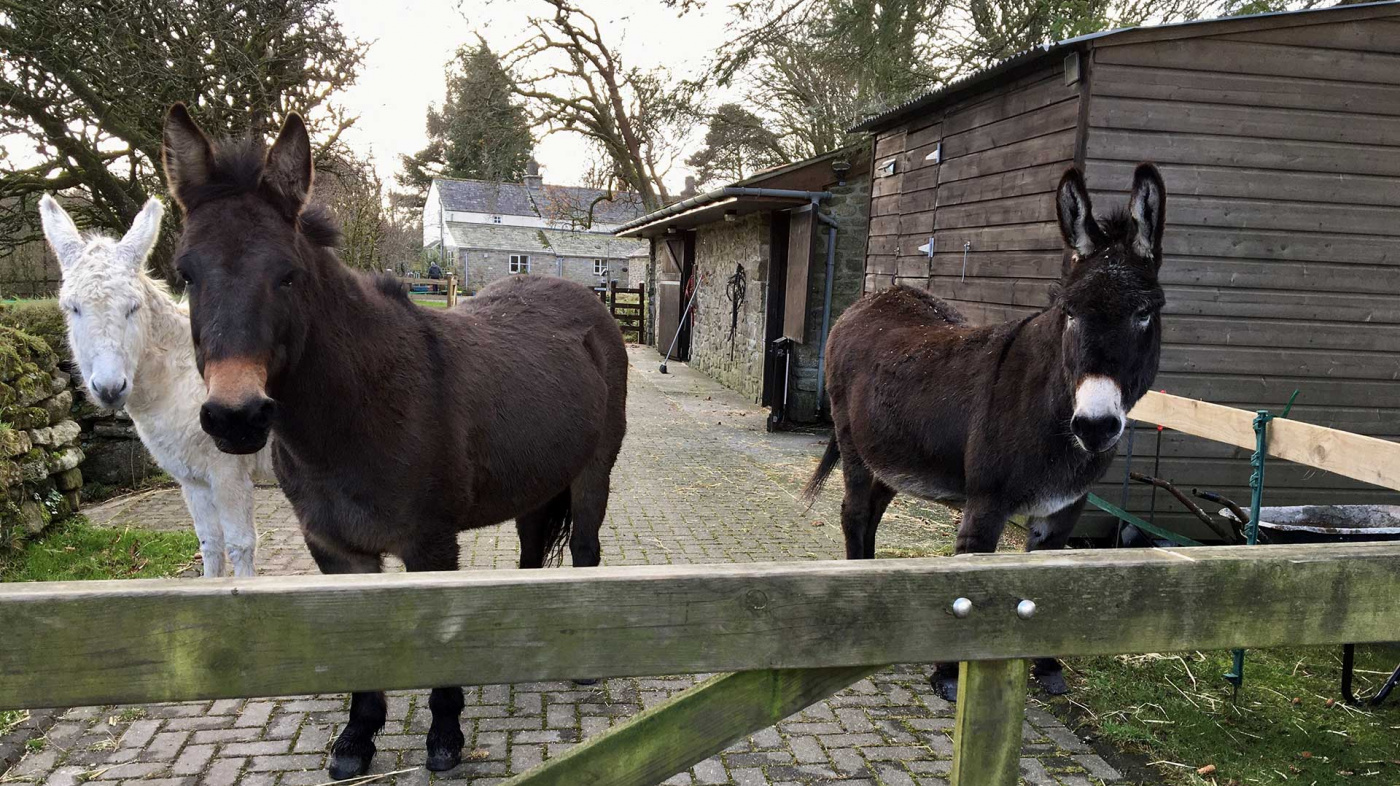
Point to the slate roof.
(554, 203)
(551, 242)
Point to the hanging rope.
(735, 290)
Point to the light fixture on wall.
(840, 167)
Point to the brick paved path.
(699, 482)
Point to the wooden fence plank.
(84, 643)
(691, 727)
(987, 723)
(1368, 459)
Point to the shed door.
(801, 241)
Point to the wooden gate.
(629, 309)
(791, 633)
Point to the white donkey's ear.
(62, 233)
(136, 245)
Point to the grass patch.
(9, 719)
(1179, 712)
(78, 551)
(430, 303)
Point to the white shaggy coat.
(131, 341)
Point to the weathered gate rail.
(794, 632)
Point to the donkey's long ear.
(62, 233)
(288, 170)
(187, 154)
(1148, 207)
(1077, 224)
(136, 245)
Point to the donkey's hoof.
(1053, 683)
(444, 760)
(946, 687)
(586, 682)
(349, 765)
(445, 748)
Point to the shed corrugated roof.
(974, 80)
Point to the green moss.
(42, 319)
(75, 550)
(25, 417)
(33, 386)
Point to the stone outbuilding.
(771, 261)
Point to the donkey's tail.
(828, 463)
(559, 523)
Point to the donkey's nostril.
(260, 414)
(1097, 433)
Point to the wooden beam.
(1355, 456)
(83, 643)
(693, 726)
(987, 724)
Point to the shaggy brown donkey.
(396, 426)
(1016, 418)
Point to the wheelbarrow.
(1332, 524)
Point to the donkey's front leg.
(983, 521)
(445, 738)
(199, 498)
(354, 749)
(234, 493)
(1052, 532)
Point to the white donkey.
(132, 344)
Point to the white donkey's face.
(103, 297)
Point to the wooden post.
(693, 726)
(987, 725)
(451, 291)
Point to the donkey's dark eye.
(288, 280)
(185, 276)
(131, 311)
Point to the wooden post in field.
(987, 726)
(451, 291)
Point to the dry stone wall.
(39, 440)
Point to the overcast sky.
(412, 40)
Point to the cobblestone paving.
(699, 482)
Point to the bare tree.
(578, 83)
(87, 85)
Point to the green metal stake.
(1235, 676)
(1256, 486)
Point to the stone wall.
(719, 248)
(114, 458)
(483, 267)
(39, 452)
(849, 206)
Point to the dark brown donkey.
(1016, 418)
(396, 426)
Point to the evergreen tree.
(480, 132)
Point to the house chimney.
(689, 187)
(533, 180)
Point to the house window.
(449, 257)
(600, 267)
(519, 263)
(495, 219)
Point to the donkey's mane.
(391, 288)
(1118, 225)
(237, 170)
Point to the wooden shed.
(1278, 136)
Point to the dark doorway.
(775, 365)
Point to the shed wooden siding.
(1003, 152)
(1281, 153)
